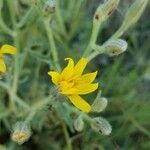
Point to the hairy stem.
(52, 43)
(67, 138)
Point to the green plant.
(44, 35)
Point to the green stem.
(22, 103)
(78, 112)
(118, 33)
(92, 41)
(67, 138)
(60, 19)
(52, 43)
(4, 85)
(16, 66)
(39, 106)
(97, 50)
(18, 99)
(76, 19)
(26, 17)
(4, 27)
(140, 127)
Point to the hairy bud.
(115, 47)
(79, 124)
(105, 10)
(134, 13)
(49, 7)
(101, 125)
(21, 133)
(99, 104)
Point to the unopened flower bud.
(21, 133)
(115, 47)
(49, 7)
(101, 125)
(134, 13)
(101, 15)
(79, 124)
(105, 10)
(99, 104)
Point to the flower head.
(5, 49)
(21, 132)
(72, 83)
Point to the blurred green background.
(124, 79)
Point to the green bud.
(131, 17)
(49, 7)
(101, 125)
(21, 133)
(105, 10)
(99, 104)
(101, 15)
(134, 13)
(115, 47)
(79, 124)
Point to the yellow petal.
(68, 70)
(87, 78)
(86, 88)
(55, 76)
(80, 66)
(68, 91)
(8, 49)
(79, 89)
(2, 66)
(80, 103)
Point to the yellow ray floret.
(72, 83)
(5, 49)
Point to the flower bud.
(101, 15)
(105, 10)
(101, 125)
(49, 7)
(134, 13)
(99, 104)
(21, 133)
(79, 124)
(115, 47)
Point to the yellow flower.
(20, 137)
(72, 83)
(5, 49)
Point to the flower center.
(66, 85)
